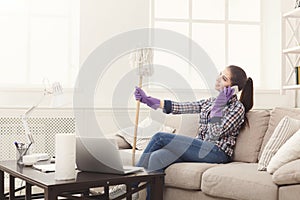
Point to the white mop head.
(142, 59)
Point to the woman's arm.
(167, 105)
(183, 107)
(229, 124)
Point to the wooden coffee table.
(80, 186)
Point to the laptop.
(100, 155)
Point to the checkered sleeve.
(228, 125)
(183, 107)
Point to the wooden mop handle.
(136, 124)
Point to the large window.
(39, 39)
(228, 30)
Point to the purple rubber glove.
(141, 96)
(221, 102)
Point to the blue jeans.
(165, 149)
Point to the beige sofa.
(239, 179)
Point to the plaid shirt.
(222, 133)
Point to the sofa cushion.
(284, 130)
(290, 192)
(122, 144)
(250, 139)
(239, 181)
(275, 116)
(171, 193)
(288, 173)
(186, 124)
(186, 175)
(288, 152)
(146, 129)
(126, 156)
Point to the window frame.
(226, 22)
(72, 17)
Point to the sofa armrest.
(288, 173)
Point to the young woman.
(221, 120)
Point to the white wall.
(101, 19)
(271, 50)
(136, 15)
(92, 35)
(268, 95)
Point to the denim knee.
(157, 135)
(155, 161)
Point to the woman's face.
(223, 80)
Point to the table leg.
(11, 187)
(1, 185)
(156, 188)
(128, 189)
(28, 191)
(50, 194)
(85, 193)
(106, 192)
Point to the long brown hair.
(239, 78)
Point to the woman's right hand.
(221, 101)
(141, 96)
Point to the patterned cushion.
(284, 130)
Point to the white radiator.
(43, 130)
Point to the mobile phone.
(236, 89)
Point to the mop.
(142, 60)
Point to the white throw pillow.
(288, 173)
(146, 129)
(288, 152)
(283, 131)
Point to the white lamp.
(56, 91)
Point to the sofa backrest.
(250, 139)
(248, 142)
(186, 124)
